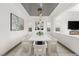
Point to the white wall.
(61, 7)
(61, 21)
(63, 36)
(5, 10)
(10, 38)
(32, 20)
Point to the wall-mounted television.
(73, 25)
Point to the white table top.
(45, 37)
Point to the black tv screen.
(73, 25)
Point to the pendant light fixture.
(40, 22)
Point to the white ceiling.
(31, 8)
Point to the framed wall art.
(16, 23)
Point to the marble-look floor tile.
(61, 51)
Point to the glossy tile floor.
(61, 51)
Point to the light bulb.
(41, 5)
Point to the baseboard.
(11, 49)
(67, 48)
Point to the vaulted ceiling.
(31, 8)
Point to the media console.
(74, 32)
